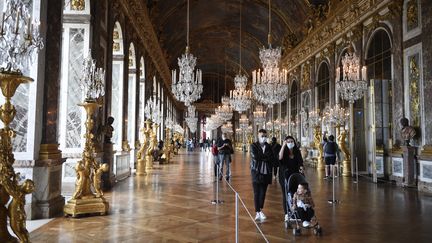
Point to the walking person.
(225, 149)
(330, 152)
(290, 161)
(262, 162)
(276, 147)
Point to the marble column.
(48, 201)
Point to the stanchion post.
(333, 200)
(236, 218)
(356, 168)
(217, 201)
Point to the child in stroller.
(301, 205)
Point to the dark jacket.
(276, 148)
(287, 166)
(227, 149)
(257, 160)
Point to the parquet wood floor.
(172, 204)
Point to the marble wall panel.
(426, 8)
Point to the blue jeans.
(225, 159)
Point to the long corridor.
(172, 204)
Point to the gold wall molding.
(345, 18)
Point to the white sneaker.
(286, 217)
(258, 216)
(306, 223)
(263, 215)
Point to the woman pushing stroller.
(290, 162)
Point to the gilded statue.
(347, 157)
(319, 146)
(167, 146)
(151, 147)
(141, 154)
(16, 210)
(97, 179)
(82, 180)
(407, 132)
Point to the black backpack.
(330, 148)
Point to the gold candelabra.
(9, 180)
(347, 156)
(89, 172)
(141, 155)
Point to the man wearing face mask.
(262, 162)
(225, 150)
(290, 161)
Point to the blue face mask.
(290, 145)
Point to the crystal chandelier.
(92, 80)
(225, 111)
(213, 122)
(351, 87)
(19, 37)
(240, 98)
(270, 86)
(259, 114)
(189, 86)
(152, 111)
(191, 119)
(244, 122)
(227, 128)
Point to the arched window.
(75, 47)
(379, 66)
(131, 122)
(117, 85)
(322, 85)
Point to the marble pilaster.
(47, 171)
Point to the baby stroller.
(290, 188)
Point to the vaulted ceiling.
(215, 30)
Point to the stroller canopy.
(294, 180)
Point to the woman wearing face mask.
(262, 162)
(290, 161)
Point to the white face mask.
(290, 145)
(223, 137)
(262, 139)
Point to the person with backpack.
(330, 152)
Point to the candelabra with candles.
(351, 87)
(153, 114)
(270, 86)
(88, 170)
(315, 121)
(19, 43)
